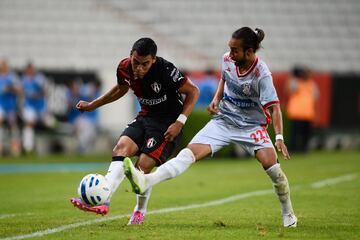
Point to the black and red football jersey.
(157, 92)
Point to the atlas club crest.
(150, 142)
(156, 87)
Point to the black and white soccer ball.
(94, 189)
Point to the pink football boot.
(101, 209)
(136, 218)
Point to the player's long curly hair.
(250, 38)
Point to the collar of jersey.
(249, 70)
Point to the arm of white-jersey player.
(213, 106)
(267, 91)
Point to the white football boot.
(289, 220)
(136, 177)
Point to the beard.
(240, 63)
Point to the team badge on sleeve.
(176, 76)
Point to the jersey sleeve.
(268, 95)
(174, 76)
(224, 62)
(119, 76)
(122, 72)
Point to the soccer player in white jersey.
(241, 107)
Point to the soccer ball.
(94, 189)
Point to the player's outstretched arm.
(278, 128)
(112, 95)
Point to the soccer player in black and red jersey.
(166, 96)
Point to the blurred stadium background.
(77, 43)
(78, 39)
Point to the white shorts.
(31, 115)
(218, 133)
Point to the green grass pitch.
(36, 205)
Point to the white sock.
(142, 201)
(281, 187)
(172, 168)
(115, 175)
(28, 139)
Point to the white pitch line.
(10, 215)
(326, 182)
(7, 215)
(332, 181)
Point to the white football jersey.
(247, 96)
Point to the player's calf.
(282, 190)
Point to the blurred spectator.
(207, 86)
(303, 93)
(34, 108)
(10, 88)
(86, 123)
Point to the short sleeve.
(268, 95)
(122, 72)
(175, 76)
(119, 76)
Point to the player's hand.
(173, 130)
(84, 106)
(213, 107)
(281, 147)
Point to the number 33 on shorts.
(260, 135)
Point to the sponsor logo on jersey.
(227, 58)
(127, 81)
(241, 103)
(156, 87)
(150, 142)
(151, 102)
(257, 73)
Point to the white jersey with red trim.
(247, 96)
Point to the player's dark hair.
(144, 47)
(250, 38)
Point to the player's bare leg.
(15, 144)
(268, 159)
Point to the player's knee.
(266, 164)
(121, 149)
(146, 167)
